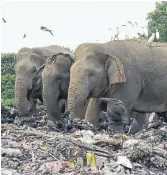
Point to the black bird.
(4, 20)
(24, 36)
(136, 23)
(46, 29)
(134, 127)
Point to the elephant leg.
(93, 111)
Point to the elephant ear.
(71, 58)
(115, 70)
(38, 76)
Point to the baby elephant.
(116, 111)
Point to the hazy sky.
(72, 22)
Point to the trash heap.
(36, 145)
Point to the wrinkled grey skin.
(115, 109)
(125, 70)
(117, 112)
(56, 77)
(28, 86)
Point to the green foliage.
(8, 78)
(7, 63)
(157, 19)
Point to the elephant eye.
(59, 79)
(34, 70)
(91, 74)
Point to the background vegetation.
(157, 19)
(8, 79)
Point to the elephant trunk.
(77, 96)
(50, 99)
(22, 103)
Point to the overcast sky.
(72, 22)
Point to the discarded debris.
(35, 145)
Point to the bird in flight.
(4, 20)
(136, 23)
(24, 36)
(46, 29)
(129, 22)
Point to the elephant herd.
(127, 70)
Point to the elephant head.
(56, 77)
(92, 74)
(28, 84)
(27, 88)
(116, 109)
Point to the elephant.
(116, 112)
(55, 80)
(127, 70)
(28, 85)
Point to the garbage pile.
(36, 145)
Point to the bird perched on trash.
(123, 25)
(4, 20)
(24, 36)
(151, 39)
(156, 124)
(134, 127)
(46, 29)
(157, 34)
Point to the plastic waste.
(130, 143)
(123, 160)
(91, 160)
(44, 148)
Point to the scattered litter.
(11, 152)
(36, 145)
(44, 148)
(91, 160)
(123, 160)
